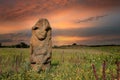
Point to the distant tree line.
(20, 45)
(75, 45)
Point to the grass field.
(84, 63)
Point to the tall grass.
(67, 64)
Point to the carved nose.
(35, 27)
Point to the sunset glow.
(71, 20)
(67, 38)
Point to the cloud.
(18, 9)
(106, 31)
(93, 35)
(13, 10)
(105, 4)
(109, 26)
(6, 40)
(91, 19)
(63, 14)
(89, 32)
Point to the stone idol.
(41, 46)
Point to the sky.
(72, 21)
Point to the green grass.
(67, 64)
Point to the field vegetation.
(82, 63)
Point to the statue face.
(41, 28)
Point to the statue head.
(41, 28)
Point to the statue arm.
(31, 49)
(31, 53)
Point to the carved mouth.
(41, 39)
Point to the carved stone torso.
(41, 45)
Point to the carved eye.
(47, 29)
(35, 28)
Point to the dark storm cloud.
(89, 32)
(6, 40)
(98, 41)
(91, 19)
(100, 3)
(17, 9)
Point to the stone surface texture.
(41, 46)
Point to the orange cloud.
(59, 19)
(66, 18)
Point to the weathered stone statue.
(41, 46)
